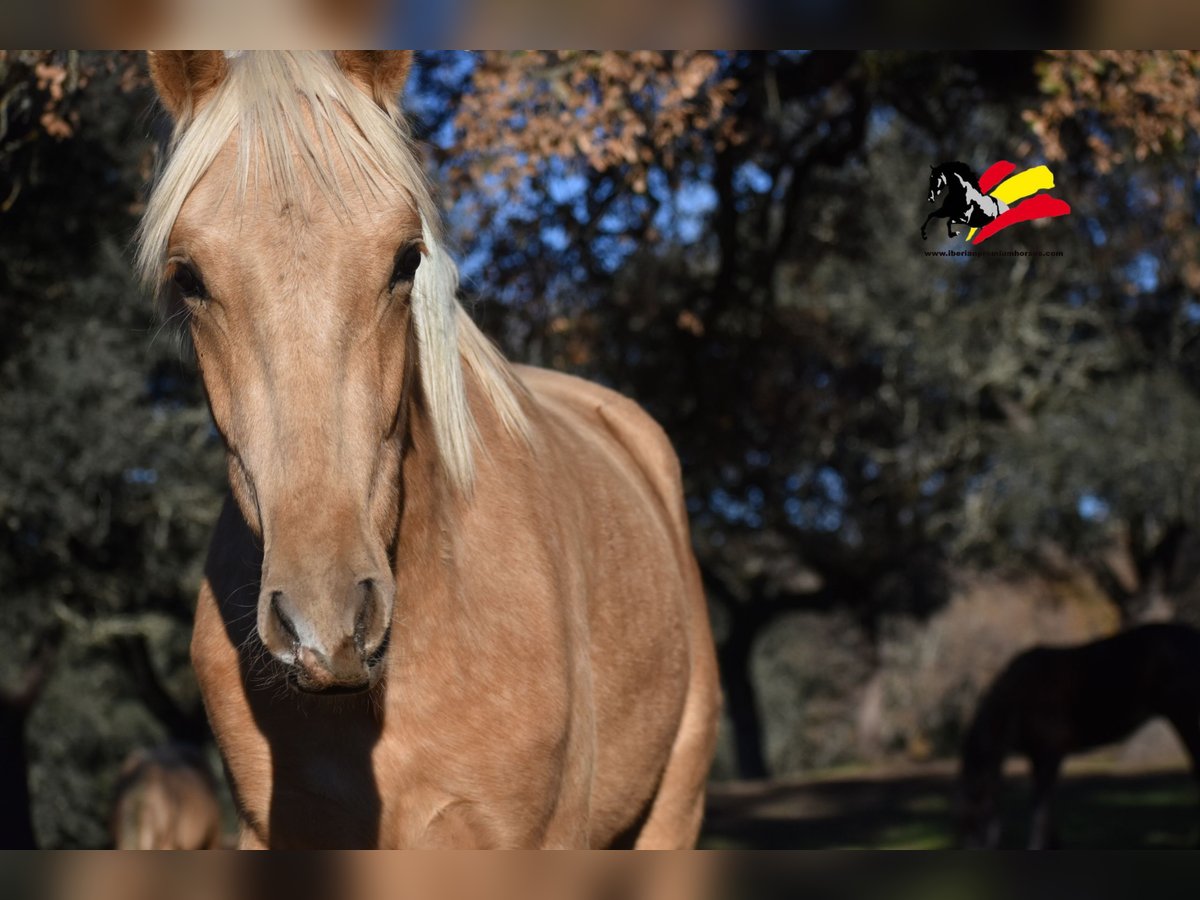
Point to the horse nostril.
(374, 600)
(284, 620)
(376, 656)
(366, 602)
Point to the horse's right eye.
(189, 283)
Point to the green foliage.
(110, 473)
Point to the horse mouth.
(302, 682)
(298, 681)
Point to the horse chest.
(451, 762)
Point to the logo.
(988, 204)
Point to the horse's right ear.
(185, 77)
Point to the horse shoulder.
(654, 672)
(623, 421)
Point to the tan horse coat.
(551, 677)
(539, 664)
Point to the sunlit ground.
(1098, 806)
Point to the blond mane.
(292, 114)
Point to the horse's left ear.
(381, 73)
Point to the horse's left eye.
(405, 268)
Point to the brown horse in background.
(1050, 702)
(452, 601)
(166, 800)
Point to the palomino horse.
(1053, 701)
(965, 203)
(166, 800)
(452, 601)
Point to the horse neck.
(969, 190)
(439, 524)
(427, 500)
(431, 508)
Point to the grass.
(912, 808)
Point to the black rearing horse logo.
(964, 203)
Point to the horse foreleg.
(933, 215)
(1045, 776)
(249, 839)
(673, 822)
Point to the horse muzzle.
(329, 647)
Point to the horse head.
(937, 182)
(977, 812)
(300, 257)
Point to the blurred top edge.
(502, 24)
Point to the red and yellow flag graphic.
(996, 182)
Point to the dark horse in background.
(965, 203)
(1053, 701)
